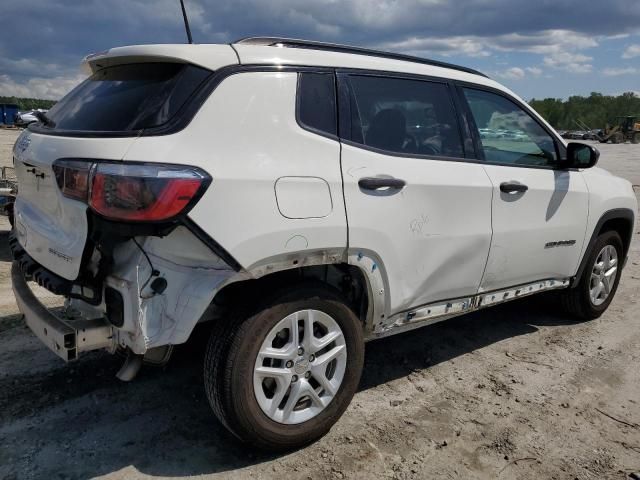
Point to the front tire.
(280, 378)
(617, 138)
(599, 281)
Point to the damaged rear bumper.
(66, 337)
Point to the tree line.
(28, 103)
(595, 110)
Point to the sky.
(538, 48)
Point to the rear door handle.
(513, 187)
(376, 183)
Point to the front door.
(539, 210)
(411, 198)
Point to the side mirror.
(581, 155)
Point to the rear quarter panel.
(247, 138)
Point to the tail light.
(73, 178)
(132, 191)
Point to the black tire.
(230, 359)
(577, 301)
(636, 138)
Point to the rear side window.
(128, 97)
(317, 102)
(403, 116)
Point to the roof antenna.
(186, 22)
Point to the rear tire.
(581, 301)
(308, 393)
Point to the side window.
(509, 135)
(403, 116)
(317, 102)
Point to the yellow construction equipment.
(624, 128)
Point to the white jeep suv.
(303, 198)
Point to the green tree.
(595, 111)
(28, 103)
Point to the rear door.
(539, 210)
(411, 197)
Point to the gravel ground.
(518, 391)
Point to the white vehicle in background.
(8, 190)
(24, 119)
(276, 189)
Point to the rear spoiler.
(212, 57)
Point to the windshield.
(127, 97)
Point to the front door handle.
(513, 187)
(376, 183)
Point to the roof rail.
(336, 47)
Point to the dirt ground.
(517, 391)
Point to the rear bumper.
(66, 337)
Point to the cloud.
(543, 42)
(468, 46)
(632, 51)
(513, 73)
(38, 87)
(615, 72)
(54, 35)
(569, 62)
(517, 73)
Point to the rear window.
(128, 97)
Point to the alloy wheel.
(300, 367)
(603, 275)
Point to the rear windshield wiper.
(44, 119)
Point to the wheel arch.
(351, 281)
(620, 220)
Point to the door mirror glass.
(581, 155)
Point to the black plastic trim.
(465, 111)
(102, 228)
(417, 156)
(114, 304)
(215, 247)
(336, 47)
(614, 214)
(42, 130)
(375, 183)
(299, 121)
(468, 141)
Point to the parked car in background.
(302, 198)
(8, 190)
(26, 118)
